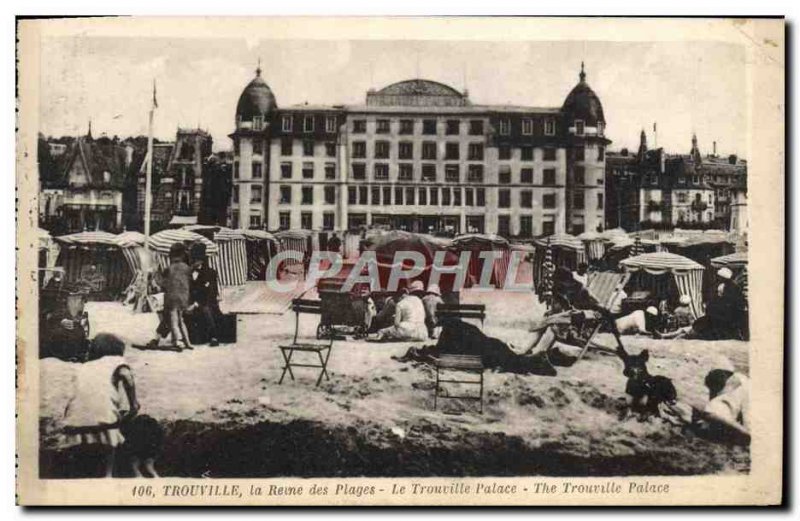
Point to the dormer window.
(550, 127)
(527, 126)
(258, 123)
(330, 124)
(286, 123)
(308, 123)
(505, 127)
(579, 128)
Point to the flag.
(654, 126)
(155, 101)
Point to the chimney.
(128, 155)
(732, 159)
(715, 149)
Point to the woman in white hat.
(683, 312)
(639, 322)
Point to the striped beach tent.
(567, 251)
(594, 244)
(476, 243)
(687, 274)
(295, 240)
(160, 243)
(94, 259)
(737, 263)
(261, 246)
(231, 263)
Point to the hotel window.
(451, 151)
(475, 174)
(351, 195)
(549, 127)
(422, 196)
(549, 201)
(255, 194)
(682, 197)
(256, 170)
(446, 197)
(549, 176)
(405, 150)
(258, 146)
(480, 199)
(330, 149)
(308, 124)
(601, 153)
(381, 150)
(456, 196)
(255, 221)
(330, 194)
(406, 126)
(579, 129)
(330, 124)
(504, 225)
(451, 174)
(475, 223)
(284, 220)
(398, 195)
(382, 126)
(305, 220)
(236, 170)
(526, 199)
(525, 226)
(453, 127)
(236, 147)
(578, 200)
(505, 127)
(600, 201)
(504, 175)
(580, 175)
(359, 126)
(476, 127)
(330, 171)
(527, 126)
(362, 195)
(286, 146)
(526, 175)
(549, 154)
(475, 152)
(308, 170)
(307, 195)
(236, 193)
(548, 225)
(258, 122)
(504, 198)
(286, 123)
(359, 171)
(434, 196)
(428, 172)
(580, 153)
(286, 170)
(504, 152)
(381, 171)
(308, 148)
(469, 197)
(429, 150)
(286, 195)
(387, 195)
(429, 127)
(526, 153)
(327, 221)
(406, 172)
(376, 196)
(359, 149)
(410, 194)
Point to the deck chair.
(605, 288)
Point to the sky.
(684, 87)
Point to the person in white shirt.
(409, 320)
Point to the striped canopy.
(687, 273)
(612, 233)
(88, 238)
(130, 239)
(160, 242)
(479, 238)
(293, 234)
(560, 240)
(258, 235)
(733, 260)
(590, 235)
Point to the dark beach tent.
(737, 263)
(261, 246)
(477, 243)
(95, 261)
(686, 273)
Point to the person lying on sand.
(638, 322)
(726, 417)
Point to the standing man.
(204, 290)
(335, 243)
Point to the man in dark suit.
(204, 294)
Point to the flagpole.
(149, 170)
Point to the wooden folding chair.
(605, 288)
(459, 363)
(321, 349)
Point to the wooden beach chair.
(605, 288)
(322, 350)
(458, 364)
(461, 312)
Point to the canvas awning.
(183, 220)
(733, 260)
(687, 273)
(560, 240)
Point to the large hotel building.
(419, 156)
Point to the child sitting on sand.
(96, 405)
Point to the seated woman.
(643, 322)
(409, 320)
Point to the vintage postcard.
(417, 261)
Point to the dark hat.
(177, 249)
(198, 251)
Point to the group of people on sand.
(190, 289)
(408, 315)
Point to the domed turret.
(257, 99)
(583, 104)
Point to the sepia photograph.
(450, 261)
